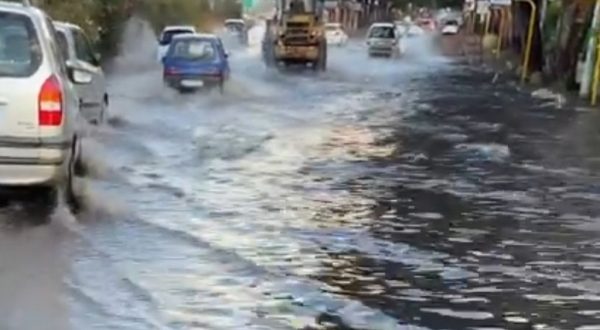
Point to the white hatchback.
(77, 48)
(39, 107)
(167, 35)
(335, 35)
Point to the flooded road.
(415, 194)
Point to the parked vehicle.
(237, 28)
(77, 49)
(335, 35)
(450, 27)
(195, 61)
(383, 40)
(39, 106)
(167, 35)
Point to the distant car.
(39, 107)
(414, 30)
(237, 27)
(196, 61)
(167, 35)
(426, 24)
(383, 40)
(450, 27)
(76, 48)
(335, 35)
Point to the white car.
(335, 35)
(414, 30)
(167, 35)
(77, 49)
(450, 28)
(39, 107)
(236, 27)
(383, 40)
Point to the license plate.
(192, 83)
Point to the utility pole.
(586, 79)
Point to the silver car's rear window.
(20, 52)
(383, 32)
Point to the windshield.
(452, 23)
(332, 27)
(234, 26)
(194, 49)
(168, 35)
(382, 32)
(20, 54)
(299, 5)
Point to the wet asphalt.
(412, 194)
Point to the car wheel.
(323, 58)
(102, 115)
(40, 205)
(222, 87)
(75, 168)
(78, 166)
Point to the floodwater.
(409, 194)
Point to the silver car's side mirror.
(79, 75)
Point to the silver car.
(383, 40)
(76, 48)
(39, 107)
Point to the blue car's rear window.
(193, 49)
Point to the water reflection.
(475, 220)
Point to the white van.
(39, 106)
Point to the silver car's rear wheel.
(76, 168)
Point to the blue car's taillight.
(171, 71)
(214, 71)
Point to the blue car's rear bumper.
(191, 81)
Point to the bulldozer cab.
(290, 8)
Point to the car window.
(234, 26)
(20, 51)
(168, 35)
(56, 47)
(63, 43)
(83, 49)
(382, 32)
(195, 49)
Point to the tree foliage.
(103, 19)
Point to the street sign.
(501, 2)
(248, 4)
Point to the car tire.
(222, 87)
(75, 168)
(323, 58)
(102, 114)
(40, 205)
(79, 168)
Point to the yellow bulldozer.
(296, 35)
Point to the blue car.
(196, 61)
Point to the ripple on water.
(471, 315)
(489, 152)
